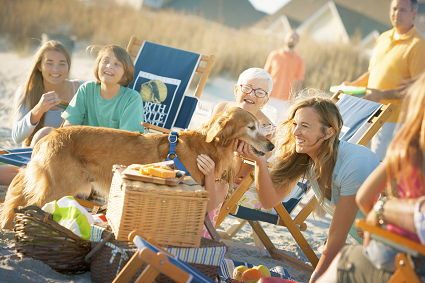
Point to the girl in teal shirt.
(108, 102)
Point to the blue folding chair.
(18, 157)
(158, 261)
(162, 76)
(362, 119)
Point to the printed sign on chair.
(162, 77)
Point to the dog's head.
(237, 123)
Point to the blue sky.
(268, 6)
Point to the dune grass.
(104, 22)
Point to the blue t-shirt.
(124, 111)
(354, 163)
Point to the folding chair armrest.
(205, 73)
(392, 237)
(377, 121)
(155, 128)
(337, 95)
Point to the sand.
(12, 73)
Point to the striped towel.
(71, 215)
(203, 255)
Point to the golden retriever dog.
(69, 160)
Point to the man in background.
(287, 70)
(398, 58)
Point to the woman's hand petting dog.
(217, 189)
(241, 149)
(206, 165)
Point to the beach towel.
(71, 215)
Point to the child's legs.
(7, 173)
(40, 134)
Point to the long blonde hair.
(34, 87)
(405, 154)
(288, 165)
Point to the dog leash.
(172, 138)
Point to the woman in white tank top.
(36, 101)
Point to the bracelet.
(379, 209)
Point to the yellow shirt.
(396, 62)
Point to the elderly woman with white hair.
(251, 93)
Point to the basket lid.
(181, 189)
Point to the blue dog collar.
(173, 138)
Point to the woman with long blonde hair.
(35, 102)
(309, 147)
(400, 179)
(46, 86)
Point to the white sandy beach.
(12, 73)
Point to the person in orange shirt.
(287, 70)
(398, 58)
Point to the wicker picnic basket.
(104, 271)
(38, 236)
(172, 215)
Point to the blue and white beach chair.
(162, 76)
(158, 261)
(18, 157)
(362, 119)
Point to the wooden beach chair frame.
(156, 263)
(376, 122)
(405, 269)
(297, 224)
(204, 68)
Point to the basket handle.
(87, 258)
(34, 211)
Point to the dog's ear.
(216, 130)
(225, 136)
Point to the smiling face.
(53, 67)
(251, 102)
(110, 69)
(309, 132)
(401, 14)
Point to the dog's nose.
(271, 146)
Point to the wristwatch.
(379, 209)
